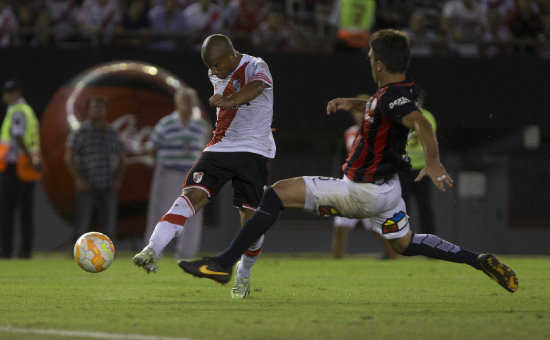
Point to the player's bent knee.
(400, 244)
(291, 192)
(197, 197)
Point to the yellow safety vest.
(356, 21)
(31, 138)
(414, 147)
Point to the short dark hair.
(392, 48)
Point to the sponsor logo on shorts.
(327, 211)
(394, 224)
(197, 177)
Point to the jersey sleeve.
(397, 103)
(258, 70)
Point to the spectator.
(97, 20)
(432, 11)
(133, 29)
(463, 23)
(25, 17)
(95, 156)
(176, 142)
(202, 18)
(181, 4)
(167, 26)
(423, 40)
(243, 17)
(63, 15)
(393, 13)
(20, 166)
(8, 24)
(43, 33)
(526, 25)
(274, 34)
(497, 37)
(352, 22)
(421, 191)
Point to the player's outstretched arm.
(433, 169)
(345, 104)
(250, 91)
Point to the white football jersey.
(246, 128)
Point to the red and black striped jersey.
(378, 151)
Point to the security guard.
(20, 165)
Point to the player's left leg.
(435, 247)
(241, 288)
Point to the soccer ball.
(94, 252)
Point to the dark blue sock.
(256, 226)
(435, 247)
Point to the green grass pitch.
(294, 296)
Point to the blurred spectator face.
(418, 22)
(170, 5)
(275, 20)
(24, 15)
(96, 110)
(205, 4)
(468, 3)
(184, 103)
(494, 19)
(136, 8)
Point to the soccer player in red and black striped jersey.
(370, 187)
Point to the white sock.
(249, 258)
(168, 227)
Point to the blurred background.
(483, 64)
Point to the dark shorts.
(248, 173)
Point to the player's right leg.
(184, 207)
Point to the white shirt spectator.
(203, 18)
(465, 22)
(99, 16)
(165, 20)
(64, 14)
(8, 22)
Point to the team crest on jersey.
(396, 223)
(197, 177)
(236, 85)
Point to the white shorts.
(350, 223)
(382, 204)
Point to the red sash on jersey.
(226, 116)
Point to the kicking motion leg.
(435, 247)
(287, 193)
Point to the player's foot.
(241, 288)
(207, 267)
(498, 271)
(147, 260)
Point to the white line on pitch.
(82, 334)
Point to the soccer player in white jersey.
(239, 151)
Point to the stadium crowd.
(467, 28)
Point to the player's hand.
(220, 101)
(338, 104)
(438, 175)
